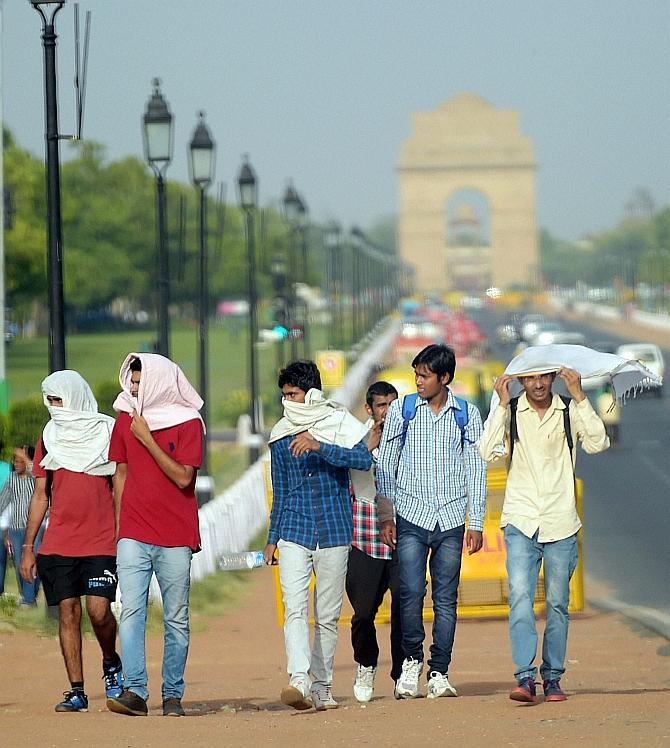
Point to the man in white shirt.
(539, 516)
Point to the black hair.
(302, 374)
(136, 365)
(381, 389)
(440, 359)
(29, 450)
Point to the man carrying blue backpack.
(431, 476)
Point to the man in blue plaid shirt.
(312, 449)
(432, 474)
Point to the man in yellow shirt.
(539, 516)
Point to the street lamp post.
(157, 133)
(333, 233)
(248, 196)
(54, 223)
(304, 271)
(202, 162)
(278, 273)
(291, 204)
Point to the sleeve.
(588, 427)
(189, 444)
(475, 470)
(278, 472)
(492, 444)
(358, 458)
(6, 494)
(38, 470)
(117, 444)
(389, 453)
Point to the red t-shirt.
(154, 509)
(81, 513)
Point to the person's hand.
(375, 436)
(501, 387)
(7, 542)
(28, 566)
(303, 444)
(573, 383)
(474, 539)
(387, 533)
(140, 428)
(269, 554)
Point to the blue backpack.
(461, 416)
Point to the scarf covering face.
(77, 436)
(326, 421)
(596, 369)
(165, 398)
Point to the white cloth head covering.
(326, 420)
(595, 368)
(165, 398)
(77, 436)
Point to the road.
(626, 497)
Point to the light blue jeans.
(27, 590)
(524, 557)
(135, 563)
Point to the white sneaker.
(364, 685)
(322, 696)
(407, 686)
(297, 694)
(438, 685)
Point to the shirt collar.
(451, 401)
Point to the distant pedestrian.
(429, 469)
(157, 444)
(312, 448)
(373, 566)
(77, 556)
(539, 516)
(15, 496)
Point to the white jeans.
(296, 564)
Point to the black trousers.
(368, 579)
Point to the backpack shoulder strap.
(513, 430)
(461, 417)
(408, 413)
(567, 426)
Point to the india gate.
(467, 198)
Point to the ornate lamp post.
(303, 213)
(332, 235)
(202, 164)
(248, 196)
(54, 224)
(291, 205)
(158, 132)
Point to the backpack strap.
(567, 427)
(408, 413)
(462, 418)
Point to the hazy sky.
(323, 91)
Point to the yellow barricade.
(483, 591)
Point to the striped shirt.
(16, 495)
(430, 480)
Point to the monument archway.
(468, 148)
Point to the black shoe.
(173, 708)
(74, 701)
(128, 703)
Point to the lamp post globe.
(291, 205)
(246, 184)
(158, 130)
(202, 160)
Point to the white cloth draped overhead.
(326, 420)
(77, 436)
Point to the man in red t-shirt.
(77, 555)
(157, 445)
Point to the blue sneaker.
(74, 701)
(113, 677)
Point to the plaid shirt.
(311, 504)
(366, 531)
(431, 480)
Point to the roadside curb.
(653, 619)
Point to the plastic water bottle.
(244, 560)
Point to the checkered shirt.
(366, 531)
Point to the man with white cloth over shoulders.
(312, 448)
(157, 445)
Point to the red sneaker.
(553, 691)
(525, 691)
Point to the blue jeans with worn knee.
(524, 558)
(445, 547)
(27, 590)
(135, 563)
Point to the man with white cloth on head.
(73, 473)
(157, 445)
(312, 448)
(536, 431)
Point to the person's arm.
(37, 509)
(118, 484)
(180, 475)
(387, 467)
(6, 495)
(278, 472)
(475, 476)
(492, 443)
(357, 458)
(587, 424)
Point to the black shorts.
(63, 577)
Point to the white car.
(647, 354)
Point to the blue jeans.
(135, 563)
(27, 590)
(446, 547)
(524, 557)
